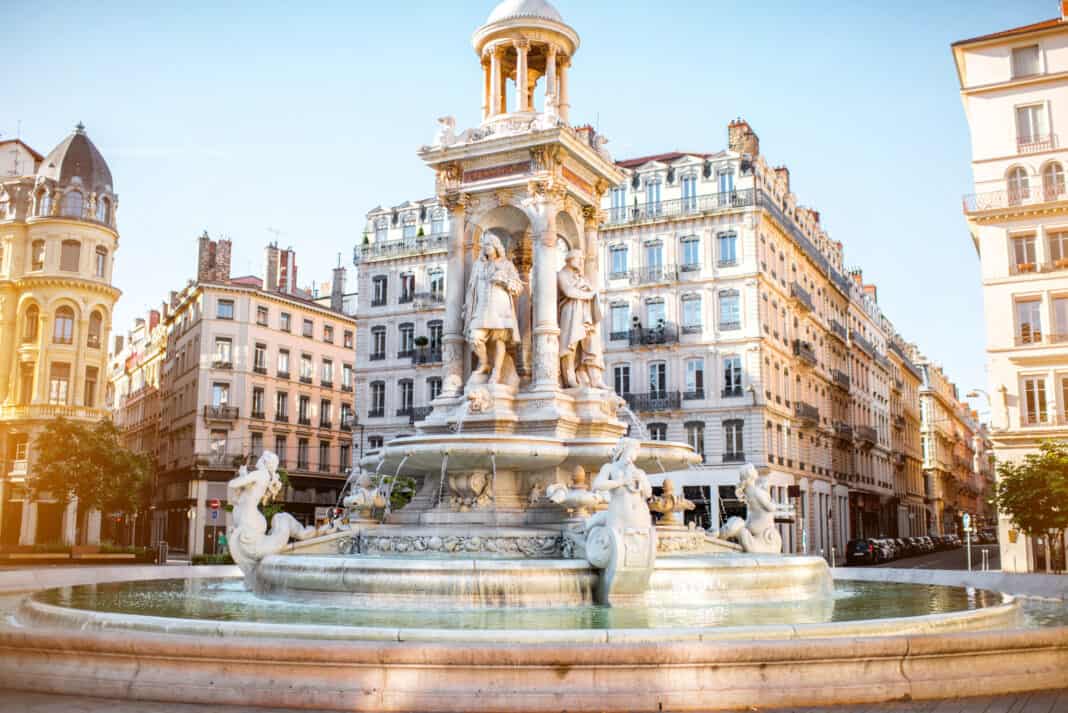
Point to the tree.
(1034, 491)
(87, 462)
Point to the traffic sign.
(214, 515)
(967, 520)
(214, 504)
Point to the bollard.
(161, 552)
(834, 558)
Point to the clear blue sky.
(303, 117)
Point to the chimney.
(270, 267)
(174, 299)
(153, 320)
(1064, 10)
(337, 289)
(213, 259)
(815, 215)
(858, 277)
(784, 174)
(872, 291)
(741, 139)
(287, 271)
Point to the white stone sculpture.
(580, 502)
(621, 540)
(670, 505)
(248, 538)
(364, 498)
(446, 135)
(489, 307)
(757, 532)
(581, 351)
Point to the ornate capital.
(593, 216)
(454, 202)
(522, 44)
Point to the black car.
(861, 552)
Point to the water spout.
(388, 493)
(493, 476)
(441, 482)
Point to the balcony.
(346, 423)
(406, 298)
(306, 379)
(865, 346)
(899, 385)
(303, 421)
(378, 301)
(840, 379)
(619, 336)
(327, 424)
(326, 384)
(260, 369)
(221, 363)
(806, 414)
(220, 413)
(867, 435)
(697, 205)
(405, 353)
(662, 334)
(801, 297)
(693, 328)
(426, 355)
(734, 457)
(899, 421)
(1028, 268)
(258, 415)
(654, 401)
(693, 395)
(376, 413)
(839, 331)
(419, 413)
(425, 300)
(653, 274)
(843, 431)
(732, 392)
(1035, 144)
(377, 356)
(347, 388)
(390, 249)
(1013, 198)
(804, 352)
(404, 411)
(282, 374)
(281, 417)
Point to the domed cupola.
(511, 9)
(74, 181)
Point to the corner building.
(58, 238)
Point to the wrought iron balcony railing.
(693, 394)
(221, 413)
(806, 413)
(663, 333)
(376, 412)
(735, 457)
(404, 411)
(840, 379)
(426, 355)
(801, 296)
(804, 351)
(419, 413)
(654, 401)
(696, 205)
(378, 356)
(400, 248)
(1034, 144)
(222, 363)
(732, 392)
(1013, 197)
(652, 274)
(839, 331)
(867, 435)
(866, 346)
(843, 431)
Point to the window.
(101, 262)
(730, 313)
(346, 377)
(689, 193)
(378, 343)
(433, 388)
(223, 357)
(328, 334)
(96, 327)
(658, 380)
(621, 378)
(70, 255)
(73, 204)
(256, 448)
(691, 314)
(437, 223)
(307, 370)
(29, 325)
(408, 230)
(346, 417)
(220, 394)
(374, 442)
(283, 363)
(308, 329)
(733, 446)
(324, 456)
(304, 410)
(224, 309)
(1030, 124)
(695, 379)
(63, 329)
(435, 330)
(406, 391)
(1053, 184)
(437, 285)
(1060, 320)
(618, 256)
(381, 229)
(44, 203)
(691, 253)
(327, 372)
(259, 359)
(302, 454)
(654, 259)
(37, 255)
(89, 397)
(695, 437)
(1029, 322)
(378, 399)
(655, 312)
(281, 407)
(379, 293)
(284, 322)
(619, 204)
(280, 449)
(1058, 248)
(347, 339)
(258, 406)
(326, 412)
(261, 316)
(620, 315)
(59, 383)
(652, 196)
(1034, 389)
(407, 340)
(732, 376)
(727, 245)
(726, 182)
(103, 210)
(344, 458)
(1025, 61)
(218, 444)
(26, 372)
(1023, 250)
(657, 431)
(407, 288)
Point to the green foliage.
(272, 509)
(223, 558)
(1034, 492)
(86, 461)
(403, 490)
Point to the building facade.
(251, 364)
(1014, 87)
(58, 238)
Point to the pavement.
(956, 558)
(1043, 702)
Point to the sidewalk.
(1045, 586)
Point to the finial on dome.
(79, 128)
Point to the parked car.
(988, 536)
(861, 552)
(915, 546)
(885, 549)
(927, 543)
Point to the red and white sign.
(214, 504)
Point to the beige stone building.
(251, 364)
(1014, 87)
(58, 238)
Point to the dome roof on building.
(513, 9)
(76, 156)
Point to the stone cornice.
(31, 282)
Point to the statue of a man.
(489, 307)
(581, 353)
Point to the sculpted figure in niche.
(489, 308)
(581, 354)
(757, 532)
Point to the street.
(948, 559)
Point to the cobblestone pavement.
(1044, 702)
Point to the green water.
(227, 600)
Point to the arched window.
(101, 261)
(44, 203)
(29, 325)
(37, 255)
(63, 330)
(103, 209)
(1053, 185)
(96, 323)
(70, 256)
(73, 204)
(1018, 185)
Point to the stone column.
(9, 329)
(70, 523)
(486, 91)
(502, 89)
(495, 81)
(591, 250)
(453, 328)
(521, 49)
(546, 330)
(550, 72)
(563, 105)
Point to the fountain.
(512, 580)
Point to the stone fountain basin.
(423, 454)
